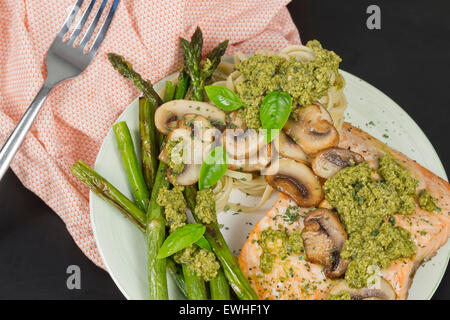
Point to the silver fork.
(64, 61)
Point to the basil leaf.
(181, 238)
(274, 112)
(213, 168)
(204, 244)
(223, 98)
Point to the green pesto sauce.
(343, 295)
(395, 175)
(278, 243)
(205, 208)
(201, 261)
(366, 208)
(174, 152)
(174, 206)
(305, 81)
(427, 202)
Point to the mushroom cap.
(314, 130)
(255, 163)
(175, 110)
(241, 144)
(324, 237)
(288, 148)
(328, 162)
(296, 180)
(382, 292)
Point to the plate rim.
(159, 85)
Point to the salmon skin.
(295, 278)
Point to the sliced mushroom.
(314, 130)
(383, 291)
(235, 122)
(288, 148)
(324, 237)
(255, 163)
(296, 180)
(175, 110)
(241, 144)
(193, 130)
(187, 177)
(328, 162)
(163, 156)
(200, 127)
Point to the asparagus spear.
(109, 193)
(183, 84)
(212, 61)
(200, 74)
(146, 111)
(131, 165)
(176, 273)
(156, 233)
(192, 53)
(126, 69)
(218, 287)
(170, 91)
(148, 138)
(155, 228)
(233, 273)
(195, 287)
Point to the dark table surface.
(407, 59)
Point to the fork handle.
(16, 138)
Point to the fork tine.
(91, 28)
(80, 25)
(104, 29)
(70, 17)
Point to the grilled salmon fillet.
(296, 278)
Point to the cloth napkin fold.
(79, 113)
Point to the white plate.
(123, 247)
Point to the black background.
(408, 59)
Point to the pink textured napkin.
(79, 113)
